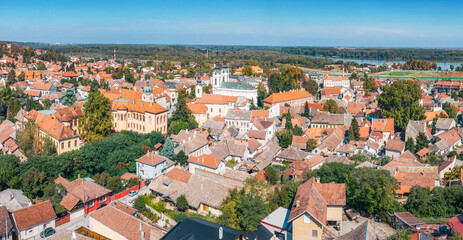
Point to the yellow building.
(200, 112)
(138, 116)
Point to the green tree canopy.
(451, 110)
(182, 203)
(69, 98)
(97, 120)
(354, 131)
(331, 106)
(168, 149)
(401, 102)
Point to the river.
(443, 65)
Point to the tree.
(69, 98)
(139, 204)
(331, 106)
(354, 131)
(297, 131)
(401, 102)
(252, 105)
(286, 138)
(247, 70)
(252, 209)
(433, 127)
(306, 110)
(229, 215)
(168, 149)
(288, 124)
(182, 203)
(48, 146)
(452, 67)
(21, 76)
(27, 140)
(261, 94)
(181, 158)
(369, 83)
(410, 144)
(34, 182)
(451, 110)
(311, 144)
(421, 141)
(353, 75)
(287, 192)
(272, 175)
(11, 78)
(310, 86)
(97, 120)
(182, 114)
(9, 168)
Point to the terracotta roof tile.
(287, 96)
(34, 215)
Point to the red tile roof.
(287, 96)
(34, 215)
(151, 159)
(207, 160)
(179, 175)
(383, 125)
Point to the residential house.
(7, 226)
(415, 127)
(292, 98)
(83, 196)
(152, 165)
(228, 149)
(218, 105)
(406, 220)
(202, 193)
(14, 199)
(43, 87)
(299, 142)
(394, 148)
(191, 143)
(384, 126)
(445, 124)
(277, 223)
(32, 220)
(209, 162)
(241, 119)
(200, 112)
(291, 154)
(48, 126)
(315, 206)
(119, 223)
(330, 81)
(265, 124)
(446, 142)
(333, 141)
(196, 228)
(329, 120)
(447, 166)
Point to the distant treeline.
(392, 54)
(236, 56)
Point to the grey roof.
(13, 199)
(334, 158)
(333, 119)
(190, 141)
(292, 153)
(238, 115)
(198, 190)
(229, 147)
(445, 123)
(414, 128)
(233, 130)
(439, 146)
(359, 233)
(216, 127)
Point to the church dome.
(147, 88)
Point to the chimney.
(298, 203)
(220, 233)
(78, 176)
(317, 180)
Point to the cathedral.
(222, 84)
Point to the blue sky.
(425, 23)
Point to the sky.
(405, 23)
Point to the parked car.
(47, 232)
(133, 193)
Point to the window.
(90, 204)
(102, 199)
(75, 143)
(62, 145)
(69, 144)
(314, 233)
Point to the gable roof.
(34, 215)
(207, 160)
(5, 221)
(287, 96)
(308, 199)
(80, 190)
(152, 159)
(383, 125)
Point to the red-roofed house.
(32, 220)
(152, 165)
(209, 162)
(384, 126)
(293, 98)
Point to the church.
(222, 84)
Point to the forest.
(389, 54)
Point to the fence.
(126, 192)
(62, 220)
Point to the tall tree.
(354, 131)
(181, 158)
(252, 209)
(97, 120)
(451, 110)
(369, 83)
(311, 144)
(168, 149)
(401, 102)
(421, 141)
(182, 114)
(261, 94)
(331, 106)
(310, 86)
(288, 124)
(306, 110)
(433, 126)
(410, 144)
(182, 203)
(69, 98)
